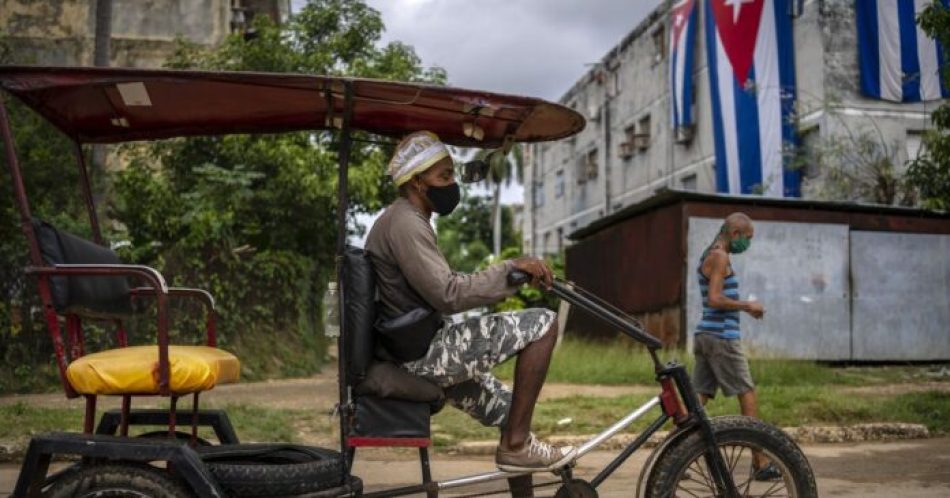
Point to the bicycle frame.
(677, 401)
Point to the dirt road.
(909, 469)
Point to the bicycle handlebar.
(602, 310)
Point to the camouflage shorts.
(463, 354)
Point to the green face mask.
(739, 244)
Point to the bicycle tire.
(125, 479)
(674, 471)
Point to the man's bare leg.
(748, 406)
(530, 370)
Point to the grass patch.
(619, 362)
(783, 406)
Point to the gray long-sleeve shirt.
(411, 271)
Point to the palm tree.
(503, 169)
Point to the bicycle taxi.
(82, 280)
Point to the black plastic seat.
(376, 420)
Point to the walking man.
(720, 363)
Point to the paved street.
(908, 469)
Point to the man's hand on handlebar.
(540, 272)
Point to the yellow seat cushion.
(134, 370)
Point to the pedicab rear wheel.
(114, 480)
(682, 470)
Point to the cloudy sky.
(527, 47)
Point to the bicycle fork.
(714, 460)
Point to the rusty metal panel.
(635, 265)
(901, 285)
(799, 271)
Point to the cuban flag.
(752, 84)
(682, 40)
(899, 62)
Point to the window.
(659, 44)
(559, 184)
(914, 146)
(626, 147)
(638, 137)
(688, 182)
(590, 165)
(546, 248)
(809, 151)
(538, 194)
(560, 240)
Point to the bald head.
(737, 225)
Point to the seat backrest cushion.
(104, 297)
(359, 313)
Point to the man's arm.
(425, 268)
(715, 267)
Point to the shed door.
(901, 308)
(799, 271)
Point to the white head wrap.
(416, 153)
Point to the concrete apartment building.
(61, 32)
(628, 151)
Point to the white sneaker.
(534, 456)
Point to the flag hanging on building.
(751, 60)
(682, 41)
(899, 62)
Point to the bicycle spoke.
(737, 452)
(768, 492)
(748, 482)
(707, 475)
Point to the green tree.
(502, 170)
(930, 173)
(253, 217)
(47, 163)
(466, 235)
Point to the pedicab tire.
(120, 479)
(180, 436)
(663, 481)
(258, 470)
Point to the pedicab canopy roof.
(108, 105)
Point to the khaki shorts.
(720, 363)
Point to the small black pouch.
(407, 337)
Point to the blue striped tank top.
(717, 322)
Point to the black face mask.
(444, 199)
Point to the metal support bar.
(342, 206)
(625, 454)
(431, 492)
(124, 420)
(89, 419)
(617, 427)
(87, 196)
(216, 419)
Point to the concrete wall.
(631, 83)
(61, 32)
(799, 272)
(833, 293)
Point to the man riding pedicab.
(412, 273)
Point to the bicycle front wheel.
(743, 442)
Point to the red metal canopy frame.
(109, 105)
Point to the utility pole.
(101, 58)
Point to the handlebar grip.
(518, 278)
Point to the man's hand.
(755, 309)
(540, 273)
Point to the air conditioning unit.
(626, 150)
(593, 112)
(641, 141)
